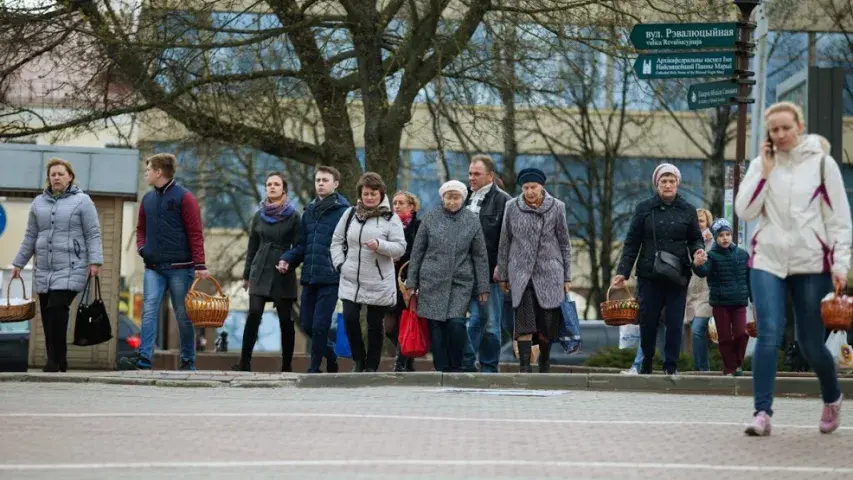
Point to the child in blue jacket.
(727, 269)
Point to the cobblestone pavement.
(99, 431)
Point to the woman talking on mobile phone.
(801, 246)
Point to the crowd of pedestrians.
(480, 251)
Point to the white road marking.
(424, 463)
(354, 416)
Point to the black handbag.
(92, 325)
(667, 266)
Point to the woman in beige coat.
(698, 310)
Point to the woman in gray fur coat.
(64, 234)
(535, 263)
(448, 265)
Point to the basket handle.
(9, 291)
(400, 272)
(215, 283)
(607, 296)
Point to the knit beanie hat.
(720, 225)
(531, 175)
(453, 186)
(663, 169)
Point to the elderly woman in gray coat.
(448, 264)
(64, 235)
(367, 240)
(535, 263)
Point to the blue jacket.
(169, 228)
(728, 276)
(315, 240)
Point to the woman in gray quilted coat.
(447, 267)
(535, 263)
(367, 240)
(64, 235)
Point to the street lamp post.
(744, 52)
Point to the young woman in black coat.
(406, 206)
(274, 230)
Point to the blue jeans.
(484, 332)
(316, 308)
(448, 342)
(769, 292)
(154, 285)
(699, 329)
(638, 359)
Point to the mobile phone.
(770, 143)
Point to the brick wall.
(99, 356)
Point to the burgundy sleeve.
(191, 216)
(140, 228)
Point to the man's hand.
(282, 266)
(618, 281)
(202, 274)
(94, 270)
(245, 285)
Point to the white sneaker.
(632, 371)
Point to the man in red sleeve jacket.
(170, 241)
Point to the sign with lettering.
(683, 36)
(712, 94)
(685, 65)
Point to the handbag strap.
(654, 229)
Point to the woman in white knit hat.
(663, 236)
(447, 266)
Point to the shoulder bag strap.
(654, 229)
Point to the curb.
(688, 384)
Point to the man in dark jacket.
(664, 226)
(170, 240)
(319, 277)
(484, 324)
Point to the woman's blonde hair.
(793, 108)
(58, 161)
(709, 218)
(411, 197)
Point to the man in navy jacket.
(319, 278)
(170, 240)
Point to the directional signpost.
(685, 65)
(683, 36)
(733, 45)
(713, 94)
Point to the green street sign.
(685, 65)
(712, 94)
(683, 36)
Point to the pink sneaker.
(830, 419)
(760, 426)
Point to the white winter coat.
(804, 226)
(368, 277)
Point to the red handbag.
(414, 332)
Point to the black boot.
(242, 366)
(358, 366)
(400, 361)
(410, 364)
(524, 356)
(544, 357)
(286, 365)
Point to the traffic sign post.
(685, 65)
(683, 36)
(712, 94)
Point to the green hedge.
(613, 357)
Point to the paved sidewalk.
(100, 431)
(692, 384)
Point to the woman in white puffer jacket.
(367, 240)
(801, 245)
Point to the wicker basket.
(17, 313)
(207, 310)
(752, 329)
(837, 311)
(620, 312)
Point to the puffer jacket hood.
(804, 224)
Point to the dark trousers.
(654, 296)
(55, 309)
(283, 307)
(448, 343)
(375, 333)
(315, 314)
(731, 331)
